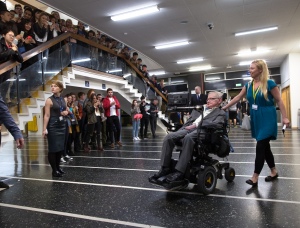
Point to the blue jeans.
(135, 128)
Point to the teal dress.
(264, 119)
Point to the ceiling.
(218, 47)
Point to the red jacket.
(106, 105)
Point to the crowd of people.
(83, 122)
(34, 26)
(235, 113)
(24, 28)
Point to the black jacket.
(143, 108)
(152, 109)
(8, 53)
(195, 101)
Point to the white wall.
(290, 75)
(285, 73)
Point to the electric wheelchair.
(203, 170)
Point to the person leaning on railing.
(8, 51)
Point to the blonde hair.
(264, 76)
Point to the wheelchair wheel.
(229, 174)
(207, 180)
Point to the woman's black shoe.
(61, 171)
(56, 174)
(250, 182)
(270, 178)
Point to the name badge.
(254, 107)
(61, 118)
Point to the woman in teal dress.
(262, 93)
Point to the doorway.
(285, 96)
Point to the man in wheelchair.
(188, 133)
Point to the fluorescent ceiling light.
(113, 71)
(189, 60)
(157, 73)
(126, 75)
(256, 31)
(213, 78)
(175, 82)
(200, 68)
(247, 78)
(81, 60)
(245, 63)
(249, 52)
(49, 72)
(172, 45)
(13, 79)
(135, 13)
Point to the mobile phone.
(22, 33)
(16, 15)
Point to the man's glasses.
(210, 99)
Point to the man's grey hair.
(218, 94)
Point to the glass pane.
(30, 79)
(212, 77)
(52, 65)
(103, 60)
(81, 55)
(65, 53)
(8, 87)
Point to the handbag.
(138, 116)
(246, 123)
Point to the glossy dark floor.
(111, 189)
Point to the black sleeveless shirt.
(58, 106)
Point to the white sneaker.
(134, 139)
(68, 157)
(62, 160)
(137, 138)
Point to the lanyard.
(254, 92)
(59, 102)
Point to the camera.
(210, 26)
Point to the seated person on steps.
(213, 115)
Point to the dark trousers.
(73, 137)
(98, 132)
(144, 127)
(153, 122)
(263, 153)
(114, 123)
(64, 153)
(54, 160)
